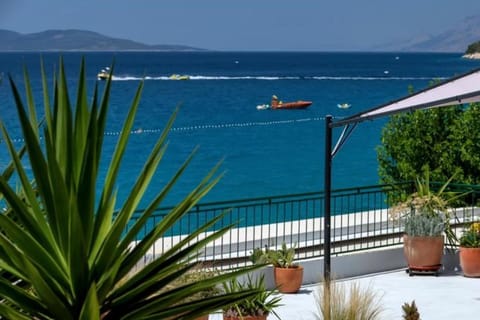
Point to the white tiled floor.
(446, 297)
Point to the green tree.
(412, 140)
(67, 254)
(466, 144)
(473, 48)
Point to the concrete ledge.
(345, 266)
(359, 264)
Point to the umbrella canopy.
(458, 90)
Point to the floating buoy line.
(244, 124)
(211, 126)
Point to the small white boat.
(263, 106)
(344, 105)
(179, 77)
(103, 74)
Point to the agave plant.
(65, 252)
(262, 304)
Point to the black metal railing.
(360, 221)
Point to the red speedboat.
(300, 104)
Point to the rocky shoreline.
(475, 55)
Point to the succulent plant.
(410, 311)
(281, 258)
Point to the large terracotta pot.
(423, 253)
(288, 280)
(264, 317)
(470, 261)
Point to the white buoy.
(344, 105)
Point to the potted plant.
(470, 251)
(288, 275)
(426, 219)
(256, 307)
(423, 242)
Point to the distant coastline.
(78, 40)
(102, 50)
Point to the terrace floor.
(448, 296)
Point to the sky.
(245, 25)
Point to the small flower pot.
(470, 261)
(288, 280)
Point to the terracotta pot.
(288, 280)
(264, 317)
(470, 261)
(423, 253)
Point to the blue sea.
(264, 152)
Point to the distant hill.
(76, 40)
(456, 39)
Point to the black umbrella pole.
(327, 200)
